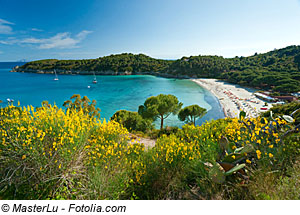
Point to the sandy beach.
(234, 98)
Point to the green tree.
(160, 107)
(292, 87)
(297, 61)
(190, 113)
(132, 121)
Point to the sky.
(166, 29)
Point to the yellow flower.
(270, 155)
(270, 146)
(248, 161)
(23, 157)
(258, 153)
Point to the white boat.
(95, 79)
(56, 77)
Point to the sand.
(234, 98)
(148, 142)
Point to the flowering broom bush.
(45, 149)
(256, 143)
(51, 153)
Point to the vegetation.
(51, 153)
(292, 109)
(278, 70)
(160, 107)
(117, 63)
(82, 104)
(190, 113)
(132, 121)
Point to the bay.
(112, 93)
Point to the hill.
(116, 63)
(278, 70)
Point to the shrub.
(52, 153)
(40, 149)
(132, 121)
(83, 104)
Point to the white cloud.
(60, 40)
(83, 34)
(5, 27)
(9, 41)
(6, 42)
(36, 29)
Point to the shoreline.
(233, 98)
(104, 73)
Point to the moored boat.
(95, 79)
(56, 77)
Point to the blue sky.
(168, 29)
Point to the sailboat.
(56, 78)
(95, 79)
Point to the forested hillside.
(278, 70)
(117, 63)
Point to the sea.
(112, 93)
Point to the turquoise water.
(112, 93)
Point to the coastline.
(233, 98)
(216, 108)
(105, 72)
(146, 86)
